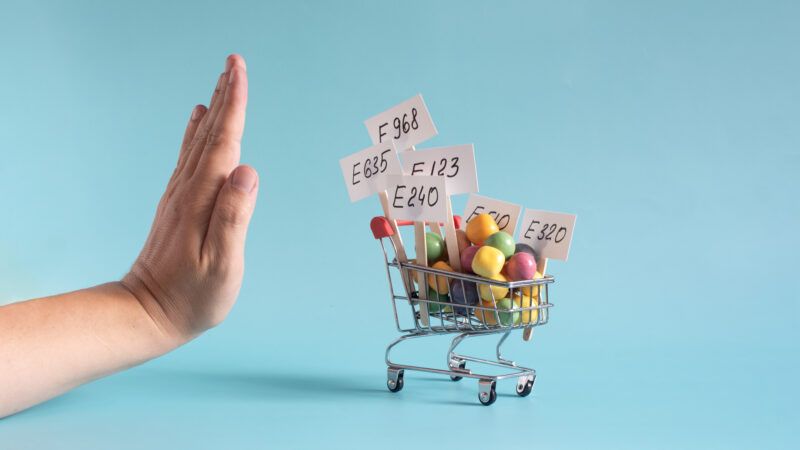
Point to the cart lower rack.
(503, 308)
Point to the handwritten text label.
(455, 163)
(504, 213)
(417, 198)
(365, 172)
(407, 124)
(549, 233)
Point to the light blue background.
(669, 128)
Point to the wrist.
(144, 291)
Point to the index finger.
(222, 151)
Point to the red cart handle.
(381, 227)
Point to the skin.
(184, 281)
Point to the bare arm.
(185, 280)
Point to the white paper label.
(418, 198)
(365, 172)
(504, 214)
(455, 163)
(408, 124)
(549, 233)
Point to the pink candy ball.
(521, 266)
(466, 258)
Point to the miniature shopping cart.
(464, 315)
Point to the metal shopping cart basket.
(464, 314)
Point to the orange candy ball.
(481, 227)
(440, 283)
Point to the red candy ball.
(466, 258)
(521, 266)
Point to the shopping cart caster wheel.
(487, 393)
(525, 386)
(395, 381)
(395, 386)
(462, 365)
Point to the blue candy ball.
(463, 293)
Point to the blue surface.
(669, 128)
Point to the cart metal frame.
(465, 320)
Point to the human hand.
(188, 274)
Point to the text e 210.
(502, 220)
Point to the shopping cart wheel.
(462, 365)
(395, 381)
(525, 385)
(487, 393)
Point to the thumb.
(234, 206)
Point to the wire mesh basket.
(464, 304)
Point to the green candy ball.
(503, 242)
(507, 318)
(437, 297)
(435, 247)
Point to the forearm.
(185, 280)
(53, 344)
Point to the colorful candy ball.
(489, 292)
(521, 266)
(501, 241)
(481, 227)
(434, 245)
(467, 255)
(462, 239)
(506, 312)
(532, 291)
(463, 293)
(524, 248)
(488, 261)
(436, 297)
(530, 315)
(439, 283)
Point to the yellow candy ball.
(440, 283)
(526, 301)
(487, 291)
(507, 318)
(481, 227)
(532, 291)
(488, 261)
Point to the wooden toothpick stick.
(527, 333)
